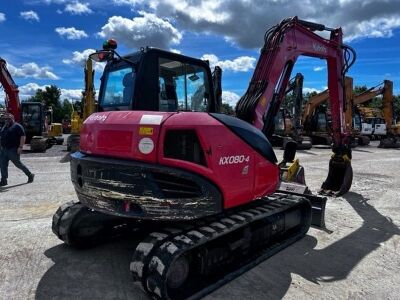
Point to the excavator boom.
(284, 43)
(11, 89)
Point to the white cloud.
(317, 69)
(79, 59)
(230, 97)
(71, 33)
(240, 64)
(175, 51)
(146, 30)
(244, 22)
(376, 28)
(77, 8)
(28, 90)
(2, 17)
(50, 1)
(29, 16)
(71, 94)
(32, 70)
(127, 2)
(310, 90)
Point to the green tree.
(50, 97)
(227, 109)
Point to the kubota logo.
(319, 48)
(235, 159)
(100, 118)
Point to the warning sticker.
(151, 120)
(145, 130)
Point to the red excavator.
(31, 115)
(158, 157)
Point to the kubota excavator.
(206, 183)
(31, 115)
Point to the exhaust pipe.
(340, 175)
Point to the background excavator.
(380, 121)
(88, 107)
(353, 117)
(315, 119)
(287, 126)
(372, 119)
(31, 115)
(158, 155)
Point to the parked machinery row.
(41, 131)
(363, 123)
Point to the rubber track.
(59, 220)
(71, 212)
(154, 256)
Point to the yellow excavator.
(379, 121)
(315, 119)
(392, 139)
(359, 131)
(89, 107)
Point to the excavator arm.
(284, 43)
(12, 101)
(296, 86)
(89, 105)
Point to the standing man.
(12, 140)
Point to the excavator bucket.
(340, 176)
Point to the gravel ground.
(356, 258)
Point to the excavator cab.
(154, 80)
(32, 119)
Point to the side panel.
(235, 167)
(123, 134)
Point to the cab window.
(119, 87)
(182, 86)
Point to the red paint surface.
(118, 136)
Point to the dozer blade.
(340, 176)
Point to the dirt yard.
(356, 258)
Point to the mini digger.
(206, 186)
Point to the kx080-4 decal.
(234, 159)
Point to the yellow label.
(146, 130)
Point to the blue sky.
(46, 41)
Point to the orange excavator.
(315, 119)
(287, 125)
(156, 155)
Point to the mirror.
(102, 56)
